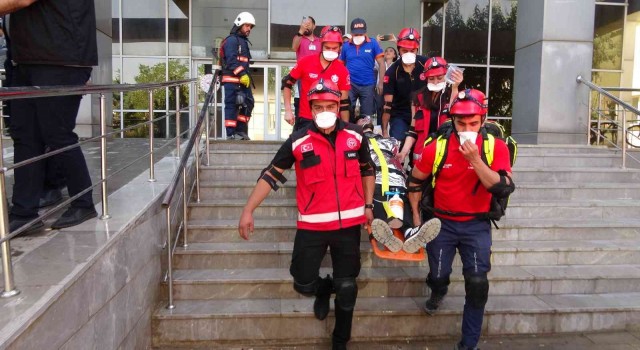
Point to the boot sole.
(428, 232)
(383, 234)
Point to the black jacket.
(55, 32)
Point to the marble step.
(521, 174)
(278, 230)
(285, 208)
(245, 146)
(251, 254)
(608, 160)
(410, 281)
(589, 160)
(525, 190)
(251, 322)
(242, 156)
(581, 175)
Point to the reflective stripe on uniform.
(243, 59)
(230, 123)
(243, 118)
(238, 70)
(334, 216)
(354, 133)
(229, 79)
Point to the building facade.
(521, 53)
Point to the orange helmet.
(325, 91)
(469, 102)
(409, 38)
(331, 34)
(435, 66)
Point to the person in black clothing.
(50, 50)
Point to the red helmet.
(325, 91)
(469, 102)
(435, 66)
(331, 34)
(409, 38)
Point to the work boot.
(243, 135)
(235, 137)
(433, 303)
(323, 295)
(418, 237)
(459, 346)
(383, 234)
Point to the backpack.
(489, 132)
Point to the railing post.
(103, 157)
(624, 140)
(169, 260)
(7, 267)
(185, 218)
(215, 109)
(152, 176)
(207, 128)
(178, 121)
(196, 149)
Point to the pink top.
(308, 47)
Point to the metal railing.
(35, 92)
(180, 177)
(610, 122)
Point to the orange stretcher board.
(383, 253)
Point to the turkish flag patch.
(307, 147)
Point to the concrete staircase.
(566, 259)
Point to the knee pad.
(439, 286)
(477, 290)
(308, 290)
(346, 292)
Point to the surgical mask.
(358, 40)
(330, 55)
(436, 87)
(325, 120)
(409, 58)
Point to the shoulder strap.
(384, 169)
(442, 145)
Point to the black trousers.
(310, 247)
(38, 124)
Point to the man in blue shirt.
(360, 55)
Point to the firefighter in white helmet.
(235, 58)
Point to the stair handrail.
(180, 176)
(13, 93)
(625, 107)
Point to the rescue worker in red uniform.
(308, 70)
(334, 195)
(463, 189)
(238, 98)
(403, 78)
(430, 106)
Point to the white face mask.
(330, 55)
(409, 58)
(325, 120)
(358, 40)
(436, 87)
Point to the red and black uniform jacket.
(329, 192)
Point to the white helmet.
(244, 18)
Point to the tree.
(140, 99)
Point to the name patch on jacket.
(351, 155)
